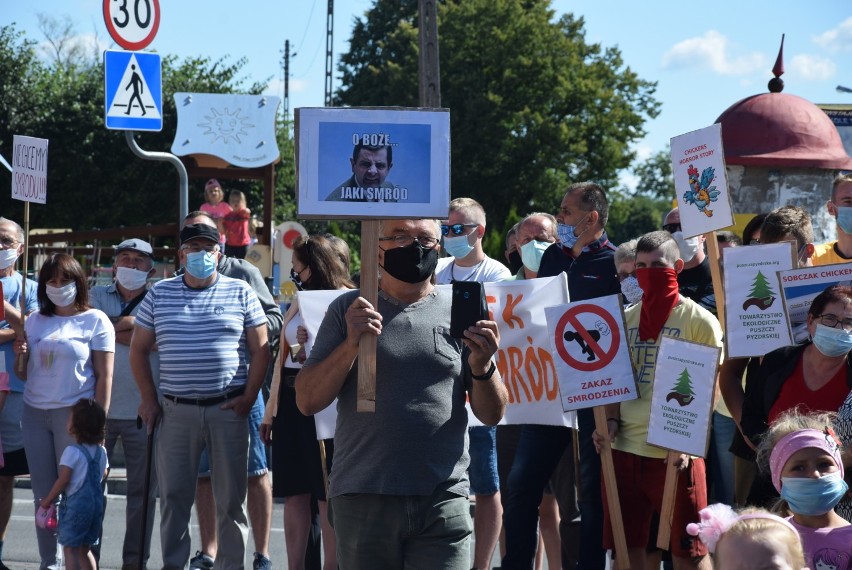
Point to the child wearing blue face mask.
(804, 458)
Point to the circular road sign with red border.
(603, 357)
(132, 23)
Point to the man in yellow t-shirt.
(639, 467)
(840, 207)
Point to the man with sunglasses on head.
(371, 165)
(398, 490)
(463, 233)
(586, 256)
(840, 208)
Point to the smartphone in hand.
(469, 306)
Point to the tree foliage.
(94, 180)
(655, 175)
(533, 105)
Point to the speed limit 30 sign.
(132, 23)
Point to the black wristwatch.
(488, 373)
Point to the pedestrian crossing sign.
(133, 89)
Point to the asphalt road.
(20, 550)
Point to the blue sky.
(705, 56)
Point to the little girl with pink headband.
(755, 538)
(804, 459)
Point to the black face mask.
(515, 262)
(294, 277)
(412, 264)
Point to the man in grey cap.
(133, 265)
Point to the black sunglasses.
(456, 229)
(672, 228)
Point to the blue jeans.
(484, 479)
(539, 451)
(720, 460)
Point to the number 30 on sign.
(132, 23)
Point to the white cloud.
(712, 51)
(837, 39)
(812, 68)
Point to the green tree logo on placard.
(682, 391)
(762, 295)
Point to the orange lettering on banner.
(508, 317)
(490, 300)
(533, 370)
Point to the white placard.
(312, 307)
(682, 400)
(591, 354)
(29, 169)
(698, 165)
(406, 165)
(801, 286)
(756, 320)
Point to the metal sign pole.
(165, 157)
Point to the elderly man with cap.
(206, 326)
(132, 265)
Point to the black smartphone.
(468, 306)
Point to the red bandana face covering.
(659, 298)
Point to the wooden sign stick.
(21, 360)
(370, 291)
(664, 533)
(716, 274)
(622, 558)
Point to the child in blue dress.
(81, 471)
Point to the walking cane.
(146, 490)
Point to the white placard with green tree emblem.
(756, 315)
(682, 399)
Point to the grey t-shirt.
(416, 441)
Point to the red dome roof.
(776, 129)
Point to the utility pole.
(287, 81)
(329, 60)
(428, 63)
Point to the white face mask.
(131, 279)
(688, 247)
(631, 289)
(8, 257)
(62, 296)
(532, 252)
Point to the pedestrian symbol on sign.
(133, 91)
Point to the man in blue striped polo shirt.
(202, 323)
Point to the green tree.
(632, 215)
(533, 105)
(760, 287)
(655, 176)
(684, 384)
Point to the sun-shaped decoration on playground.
(226, 125)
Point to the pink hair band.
(802, 439)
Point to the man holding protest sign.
(15, 459)
(840, 208)
(404, 466)
(695, 281)
(585, 254)
(640, 468)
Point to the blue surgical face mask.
(201, 264)
(531, 253)
(458, 247)
(832, 341)
(631, 290)
(811, 497)
(844, 219)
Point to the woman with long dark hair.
(297, 458)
